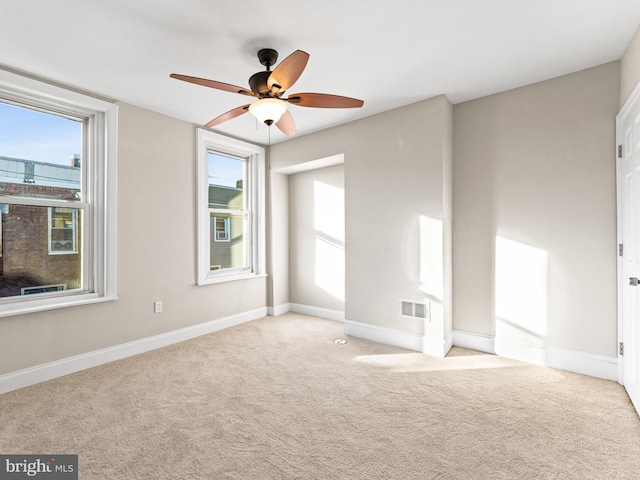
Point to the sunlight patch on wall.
(328, 223)
(521, 292)
(431, 257)
(328, 215)
(330, 267)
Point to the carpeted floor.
(278, 399)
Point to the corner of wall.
(447, 217)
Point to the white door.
(628, 133)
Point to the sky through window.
(31, 135)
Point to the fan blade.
(288, 71)
(236, 112)
(212, 84)
(286, 124)
(324, 100)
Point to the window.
(62, 230)
(221, 225)
(230, 209)
(57, 174)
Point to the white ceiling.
(388, 54)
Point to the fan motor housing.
(258, 83)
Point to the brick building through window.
(40, 248)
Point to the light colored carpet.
(278, 399)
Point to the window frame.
(254, 156)
(98, 205)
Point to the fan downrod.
(258, 81)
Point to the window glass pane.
(230, 253)
(40, 154)
(226, 182)
(39, 246)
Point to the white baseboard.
(436, 347)
(77, 363)
(473, 341)
(411, 341)
(578, 362)
(388, 336)
(448, 343)
(525, 353)
(597, 366)
(278, 309)
(325, 313)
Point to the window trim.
(255, 174)
(99, 224)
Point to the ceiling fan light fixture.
(268, 110)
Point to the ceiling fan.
(268, 87)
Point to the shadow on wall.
(521, 290)
(328, 223)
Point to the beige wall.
(534, 173)
(155, 259)
(395, 165)
(630, 68)
(316, 238)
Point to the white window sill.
(43, 304)
(230, 278)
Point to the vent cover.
(414, 309)
(420, 310)
(406, 308)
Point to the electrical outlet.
(157, 307)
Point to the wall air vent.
(406, 308)
(420, 310)
(414, 309)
